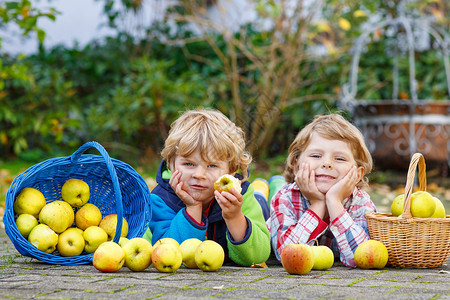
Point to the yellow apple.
(29, 201)
(226, 182)
(397, 205)
(371, 254)
(109, 257)
(58, 215)
(138, 254)
(75, 192)
(187, 249)
(88, 215)
(70, 242)
(43, 238)
(323, 257)
(209, 256)
(422, 204)
(439, 212)
(94, 236)
(109, 224)
(297, 258)
(166, 258)
(25, 223)
(123, 240)
(166, 241)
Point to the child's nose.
(199, 172)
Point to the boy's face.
(198, 176)
(330, 159)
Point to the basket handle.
(112, 171)
(417, 159)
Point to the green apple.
(187, 249)
(138, 254)
(29, 201)
(226, 182)
(297, 258)
(323, 257)
(109, 257)
(43, 238)
(25, 223)
(88, 215)
(209, 256)
(94, 236)
(166, 258)
(397, 205)
(439, 212)
(166, 241)
(75, 192)
(371, 254)
(122, 241)
(70, 242)
(58, 215)
(422, 204)
(109, 224)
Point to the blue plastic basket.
(115, 188)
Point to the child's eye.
(212, 166)
(315, 155)
(341, 159)
(188, 164)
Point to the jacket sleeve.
(255, 247)
(165, 222)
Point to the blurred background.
(121, 71)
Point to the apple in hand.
(138, 254)
(43, 238)
(88, 215)
(209, 256)
(75, 192)
(109, 257)
(94, 236)
(226, 182)
(166, 258)
(166, 241)
(58, 215)
(187, 249)
(29, 201)
(109, 224)
(297, 258)
(25, 223)
(70, 242)
(371, 254)
(323, 257)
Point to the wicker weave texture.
(115, 188)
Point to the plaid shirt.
(292, 222)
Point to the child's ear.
(360, 171)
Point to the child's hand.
(306, 181)
(177, 185)
(344, 187)
(231, 204)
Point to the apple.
(75, 192)
(94, 236)
(439, 212)
(138, 254)
(297, 258)
(371, 254)
(109, 224)
(122, 241)
(209, 256)
(109, 257)
(25, 223)
(43, 238)
(58, 215)
(422, 204)
(88, 215)
(187, 249)
(323, 257)
(70, 242)
(166, 258)
(29, 201)
(166, 241)
(397, 205)
(226, 182)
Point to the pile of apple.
(423, 205)
(166, 255)
(56, 226)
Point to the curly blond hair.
(211, 132)
(333, 127)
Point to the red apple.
(109, 257)
(371, 254)
(297, 258)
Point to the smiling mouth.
(324, 177)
